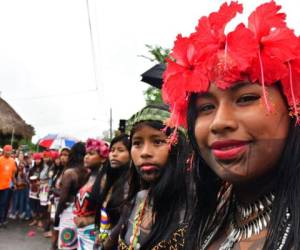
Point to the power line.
(93, 50)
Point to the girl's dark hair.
(36, 167)
(287, 191)
(116, 178)
(57, 171)
(124, 138)
(76, 156)
(168, 195)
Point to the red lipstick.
(149, 167)
(228, 149)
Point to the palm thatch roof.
(9, 120)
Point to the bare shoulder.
(70, 173)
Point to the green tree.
(158, 55)
(27, 145)
(153, 95)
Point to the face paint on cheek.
(260, 158)
(150, 174)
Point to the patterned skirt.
(44, 193)
(67, 239)
(86, 237)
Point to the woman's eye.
(159, 141)
(205, 108)
(136, 143)
(248, 98)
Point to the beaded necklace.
(260, 210)
(254, 226)
(136, 228)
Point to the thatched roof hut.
(10, 120)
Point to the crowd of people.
(98, 196)
(215, 168)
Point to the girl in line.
(113, 183)
(34, 188)
(85, 203)
(155, 208)
(67, 186)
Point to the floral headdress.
(101, 147)
(265, 51)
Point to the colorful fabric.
(84, 205)
(140, 221)
(67, 230)
(34, 187)
(265, 51)
(7, 170)
(44, 193)
(176, 241)
(86, 237)
(105, 226)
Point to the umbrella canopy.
(57, 141)
(154, 75)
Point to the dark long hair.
(76, 156)
(168, 195)
(115, 178)
(287, 191)
(75, 162)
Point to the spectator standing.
(7, 172)
(19, 196)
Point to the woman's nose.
(224, 119)
(146, 150)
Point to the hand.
(99, 241)
(79, 221)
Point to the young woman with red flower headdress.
(239, 96)
(85, 204)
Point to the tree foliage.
(153, 95)
(27, 145)
(158, 54)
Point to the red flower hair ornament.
(265, 51)
(100, 146)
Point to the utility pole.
(110, 124)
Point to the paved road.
(14, 237)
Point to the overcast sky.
(59, 82)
